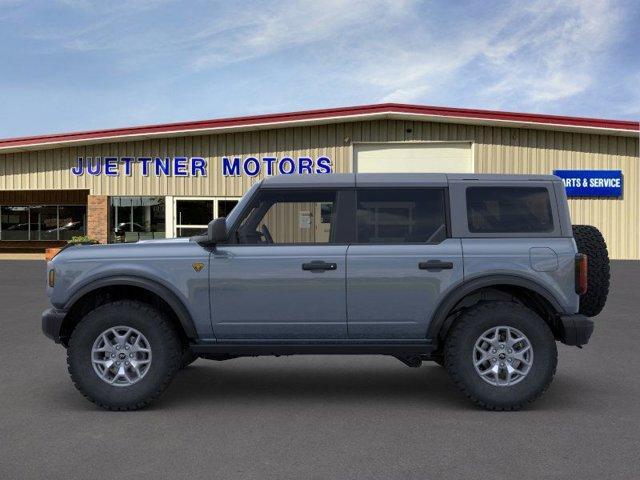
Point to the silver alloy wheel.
(121, 356)
(503, 356)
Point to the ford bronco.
(482, 274)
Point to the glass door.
(192, 215)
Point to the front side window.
(401, 216)
(289, 217)
(509, 210)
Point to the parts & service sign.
(591, 183)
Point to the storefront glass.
(194, 214)
(71, 222)
(137, 218)
(42, 222)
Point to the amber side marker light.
(581, 274)
(52, 277)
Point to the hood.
(113, 251)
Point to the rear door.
(401, 263)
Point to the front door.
(282, 275)
(401, 263)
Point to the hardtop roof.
(345, 180)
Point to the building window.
(137, 218)
(42, 222)
(194, 214)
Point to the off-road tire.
(590, 241)
(163, 340)
(187, 358)
(460, 343)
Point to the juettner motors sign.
(591, 183)
(198, 166)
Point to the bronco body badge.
(198, 266)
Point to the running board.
(263, 349)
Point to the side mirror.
(217, 230)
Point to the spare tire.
(590, 241)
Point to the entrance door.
(280, 277)
(193, 214)
(401, 263)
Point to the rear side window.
(401, 216)
(509, 210)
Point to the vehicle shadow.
(212, 382)
(254, 384)
(353, 381)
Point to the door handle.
(435, 265)
(319, 266)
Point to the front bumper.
(575, 330)
(52, 319)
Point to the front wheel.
(123, 355)
(502, 355)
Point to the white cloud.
(515, 56)
(276, 26)
(532, 56)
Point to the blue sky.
(80, 64)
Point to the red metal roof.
(467, 115)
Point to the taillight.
(581, 273)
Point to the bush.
(82, 239)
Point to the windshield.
(233, 216)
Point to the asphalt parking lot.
(318, 417)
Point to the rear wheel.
(501, 355)
(123, 355)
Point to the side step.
(263, 349)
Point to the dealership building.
(170, 180)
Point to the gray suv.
(481, 274)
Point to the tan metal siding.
(496, 150)
(530, 151)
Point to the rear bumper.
(576, 330)
(52, 319)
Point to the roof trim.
(329, 115)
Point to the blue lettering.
(162, 165)
(111, 166)
(305, 165)
(323, 165)
(94, 167)
(256, 166)
(269, 161)
(198, 167)
(127, 165)
(79, 169)
(145, 165)
(230, 168)
(180, 166)
(292, 166)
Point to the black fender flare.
(460, 291)
(178, 307)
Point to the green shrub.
(82, 239)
